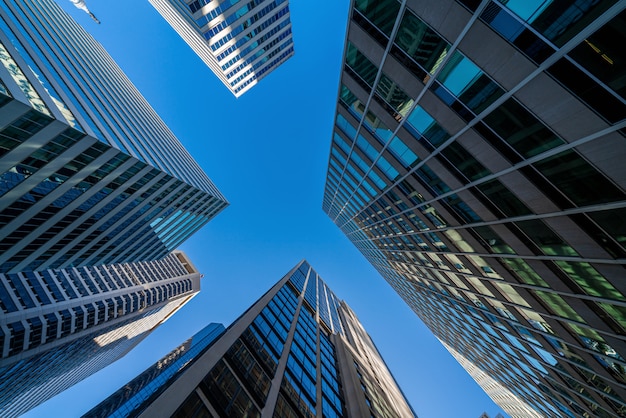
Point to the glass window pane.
(521, 129)
(464, 161)
(354, 105)
(458, 73)
(420, 119)
(503, 198)
(360, 64)
(578, 180)
(346, 126)
(394, 95)
(588, 278)
(421, 43)
(381, 13)
(402, 152)
(613, 222)
(527, 10)
(562, 19)
(549, 242)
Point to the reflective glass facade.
(240, 41)
(58, 327)
(156, 378)
(89, 173)
(477, 163)
(299, 351)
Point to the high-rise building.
(299, 351)
(477, 162)
(89, 173)
(95, 192)
(240, 41)
(60, 326)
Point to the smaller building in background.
(241, 42)
(61, 326)
(299, 351)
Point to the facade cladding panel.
(60, 326)
(240, 41)
(297, 352)
(89, 173)
(477, 161)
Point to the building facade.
(89, 173)
(299, 351)
(477, 163)
(240, 41)
(60, 326)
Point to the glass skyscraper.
(89, 173)
(60, 326)
(477, 161)
(299, 351)
(95, 194)
(240, 41)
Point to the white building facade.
(240, 41)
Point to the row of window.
(71, 320)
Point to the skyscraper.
(477, 163)
(89, 173)
(241, 42)
(60, 326)
(298, 351)
(95, 192)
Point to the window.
(192, 407)
(578, 180)
(402, 152)
(588, 278)
(464, 162)
(602, 54)
(420, 42)
(521, 129)
(354, 105)
(613, 222)
(422, 123)
(503, 198)
(380, 13)
(549, 242)
(394, 96)
(468, 83)
(361, 65)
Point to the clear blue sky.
(268, 153)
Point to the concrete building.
(477, 163)
(89, 173)
(299, 351)
(240, 41)
(60, 326)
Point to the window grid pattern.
(448, 223)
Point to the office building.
(240, 41)
(89, 173)
(60, 326)
(299, 351)
(477, 161)
(95, 192)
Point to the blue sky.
(268, 153)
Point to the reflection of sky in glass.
(383, 133)
(404, 154)
(528, 10)
(461, 76)
(420, 120)
(346, 126)
(387, 168)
